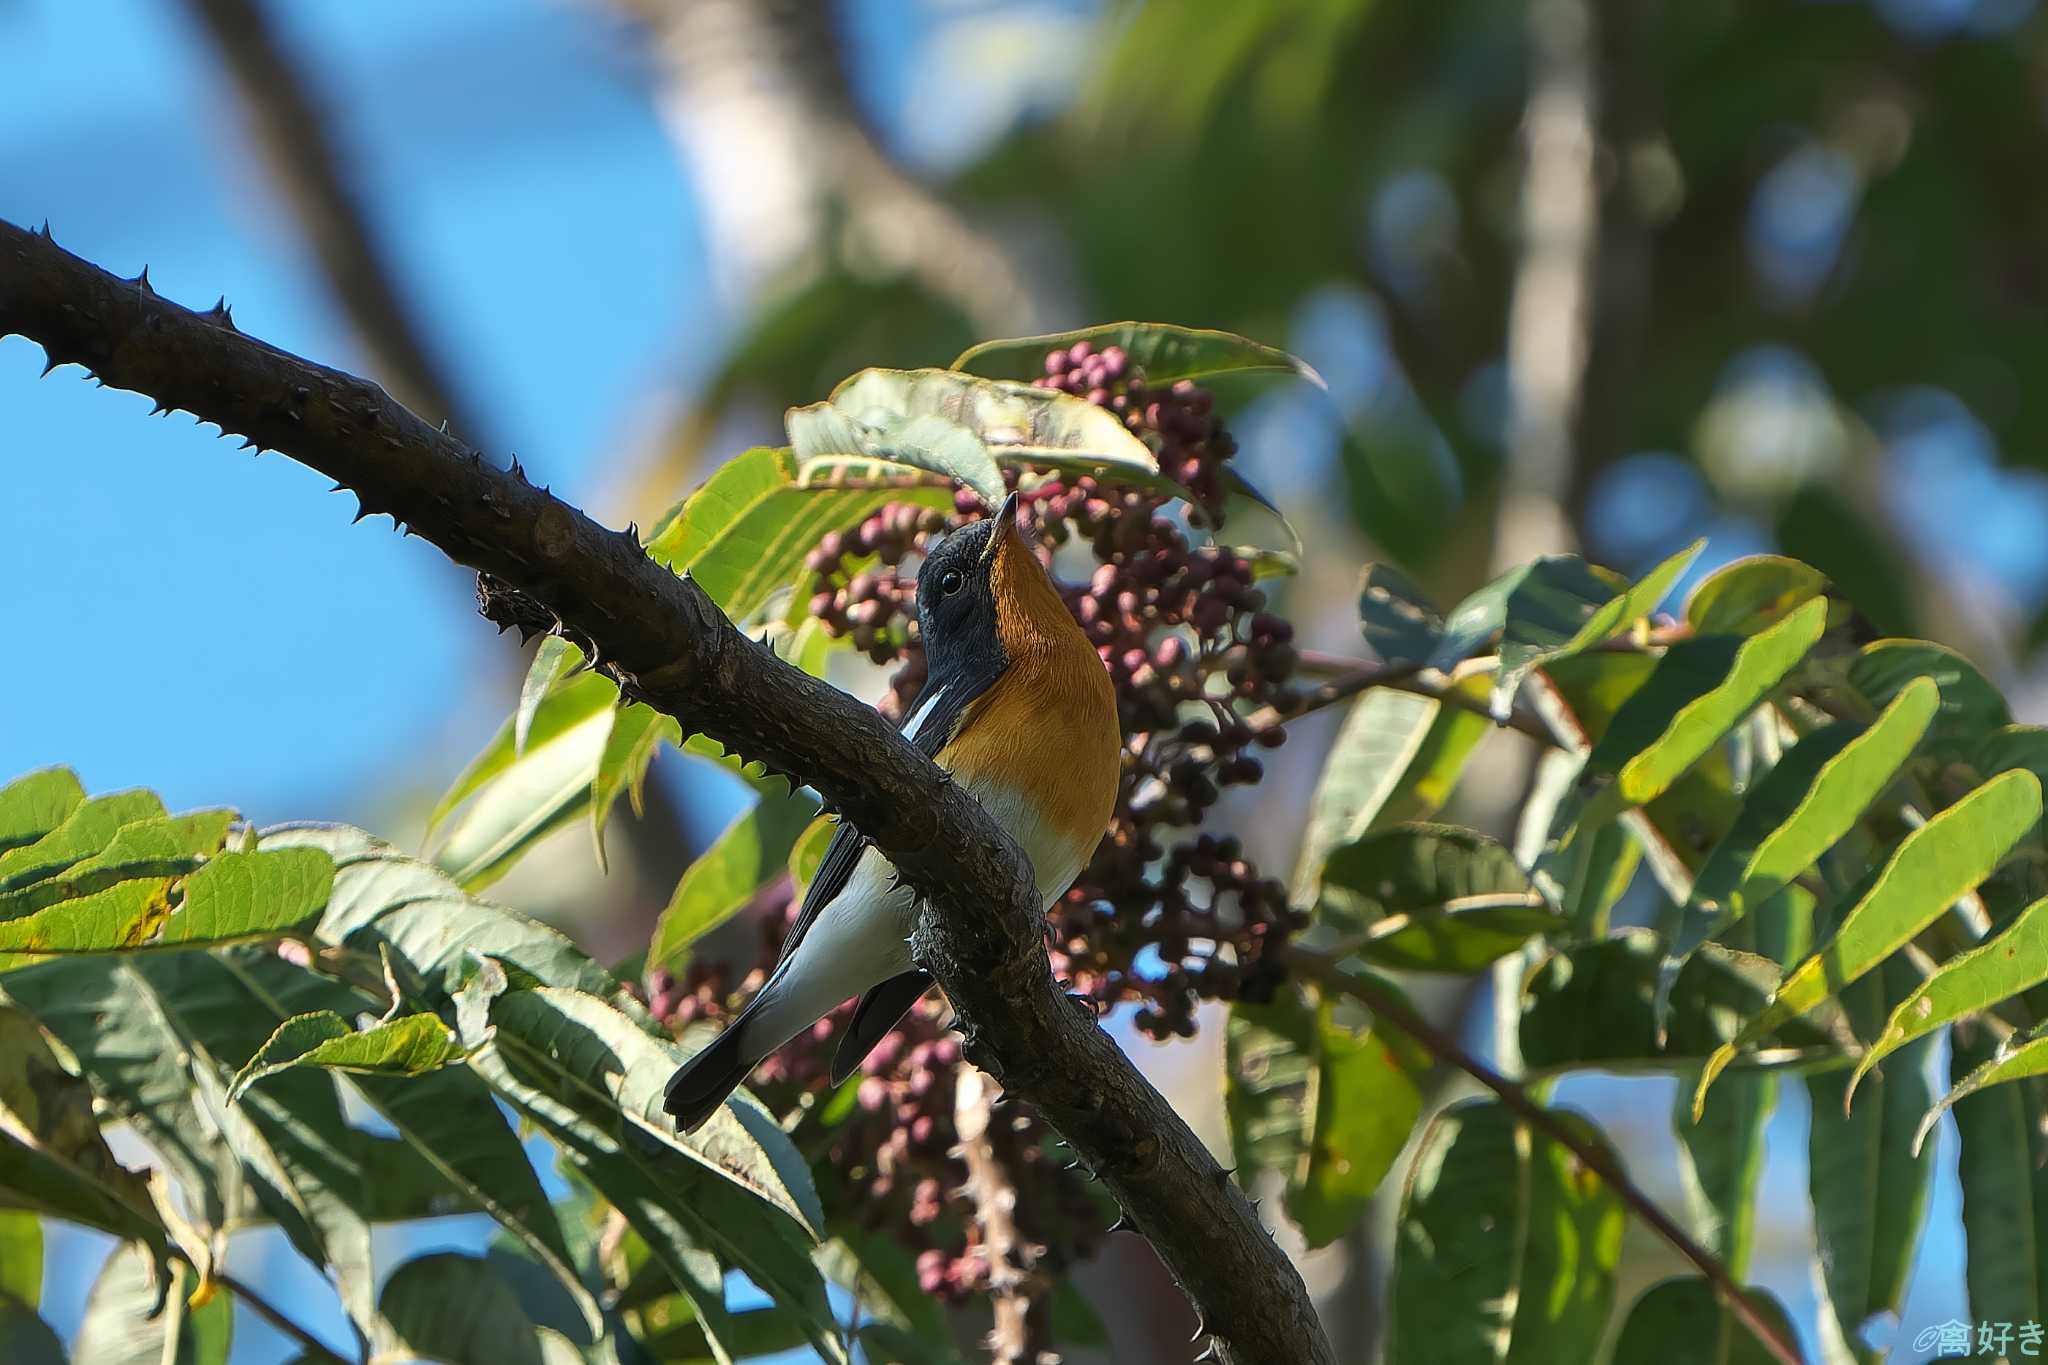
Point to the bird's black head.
(956, 608)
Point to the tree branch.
(980, 932)
(1386, 1005)
(308, 167)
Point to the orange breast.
(1048, 727)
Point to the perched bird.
(1018, 708)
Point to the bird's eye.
(951, 581)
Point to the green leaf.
(553, 662)
(1700, 690)
(1324, 1106)
(89, 828)
(1743, 597)
(1683, 1322)
(21, 1259)
(122, 916)
(1975, 980)
(448, 1118)
(539, 792)
(555, 697)
(385, 901)
(1430, 898)
(1868, 1178)
(1927, 872)
(242, 896)
(734, 1190)
(753, 850)
(880, 1271)
(1970, 707)
(1506, 1248)
(1997, 1174)
(808, 853)
(745, 534)
(32, 806)
(1721, 1158)
(1164, 352)
(25, 1339)
(957, 425)
(637, 732)
(409, 1045)
(1546, 601)
(450, 1307)
(2020, 1057)
(1382, 733)
(1806, 803)
(169, 847)
(1399, 624)
(1542, 627)
(122, 1328)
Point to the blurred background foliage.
(1602, 275)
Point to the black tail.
(702, 1084)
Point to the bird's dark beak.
(1006, 522)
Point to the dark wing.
(877, 1013)
(934, 717)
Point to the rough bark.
(980, 932)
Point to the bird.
(1018, 708)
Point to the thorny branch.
(666, 643)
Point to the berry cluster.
(1164, 916)
(891, 1152)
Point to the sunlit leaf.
(753, 850)
(1743, 597)
(1698, 692)
(1925, 874)
(32, 806)
(406, 1046)
(1164, 352)
(1325, 1106)
(1968, 982)
(21, 1259)
(637, 732)
(958, 425)
(1802, 807)
(1543, 626)
(89, 828)
(167, 847)
(1970, 706)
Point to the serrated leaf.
(1547, 600)
(734, 1188)
(1429, 898)
(89, 827)
(241, 896)
(1164, 352)
(1971, 981)
(1683, 1322)
(409, 1045)
(169, 847)
(2019, 1058)
(1970, 706)
(121, 1326)
(1325, 1106)
(1399, 624)
(958, 425)
(1801, 808)
(450, 1307)
(745, 534)
(1700, 690)
(1542, 628)
(1505, 1249)
(1996, 1171)
(1743, 597)
(33, 805)
(753, 850)
(1926, 873)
